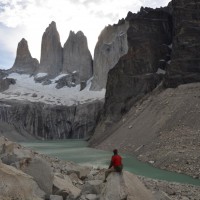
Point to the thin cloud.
(29, 19)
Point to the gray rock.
(91, 197)
(65, 188)
(65, 81)
(92, 187)
(77, 57)
(41, 171)
(112, 44)
(15, 184)
(5, 83)
(56, 197)
(24, 63)
(83, 85)
(51, 51)
(126, 186)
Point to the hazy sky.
(29, 18)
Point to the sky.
(29, 18)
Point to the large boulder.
(40, 170)
(125, 186)
(27, 161)
(77, 57)
(62, 185)
(24, 63)
(51, 51)
(15, 184)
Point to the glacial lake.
(78, 152)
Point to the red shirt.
(116, 161)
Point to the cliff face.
(50, 121)
(111, 45)
(51, 51)
(24, 63)
(136, 73)
(77, 57)
(185, 62)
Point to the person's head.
(115, 151)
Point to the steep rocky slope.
(163, 129)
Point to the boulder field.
(27, 175)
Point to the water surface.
(78, 152)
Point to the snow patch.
(58, 77)
(161, 71)
(40, 75)
(5, 105)
(169, 62)
(170, 46)
(26, 89)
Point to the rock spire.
(51, 51)
(77, 57)
(24, 63)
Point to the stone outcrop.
(111, 45)
(125, 186)
(5, 83)
(24, 63)
(51, 51)
(77, 57)
(185, 58)
(52, 121)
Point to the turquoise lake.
(78, 152)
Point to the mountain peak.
(24, 62)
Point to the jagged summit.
(24, 63)
(74, 60)
(77, 57)
(51, 51)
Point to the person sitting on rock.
(115, 164)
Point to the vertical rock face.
(111, 45)
(24, 63)
(135, 74)
(51, 121)
(51, 51)
(185, 60)
(77, 57)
